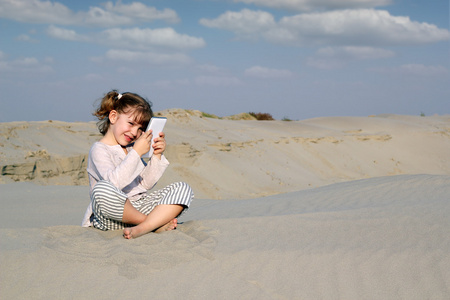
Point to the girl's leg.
(161, 218)
(131, 215)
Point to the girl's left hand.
(160, 144)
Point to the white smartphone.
(156, 125)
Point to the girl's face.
(124, 127)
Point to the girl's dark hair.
(129, 102)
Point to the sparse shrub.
(207, 115)
(286, 119)
(262, 116)
(241, 116)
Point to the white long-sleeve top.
(127, 172)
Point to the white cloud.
(169, 84)
(217, 81)
(325, 63)
(362, 27)
(65, 34)
(26, 38)
(336, 57)
(49, 60)
(355, 53)
(262, 72)
(418, 69)
(97, 16)
(126, 70)
(184, 82)
(26, 62)
(132, 38)
(97, 59)
(163, 84)
(210, 68)
(147, 57)
(308, 5)
(35, 11)
(245, 23)
(140, 11)
(47, 12)
(415, 69)
(24, 65)
(149, 38)
(213, 70)
(93, 77)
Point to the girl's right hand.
(142, 144)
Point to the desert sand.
(326, 208)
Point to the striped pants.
(108, 202)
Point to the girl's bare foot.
(127, 233)
(137, 231)
(169, 226)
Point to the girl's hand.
(142, 144)
(160, 144)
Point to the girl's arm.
(153, 171)
(157, 164)
(107, 165)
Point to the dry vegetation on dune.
(242, 116)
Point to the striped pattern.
(107, 206)
(108, 202)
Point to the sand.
(327, 208)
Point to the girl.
(118, 177)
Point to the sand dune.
(353, 208)
(225, 159)
(382, 238)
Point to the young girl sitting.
(119, 179)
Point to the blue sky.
(292, 58)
